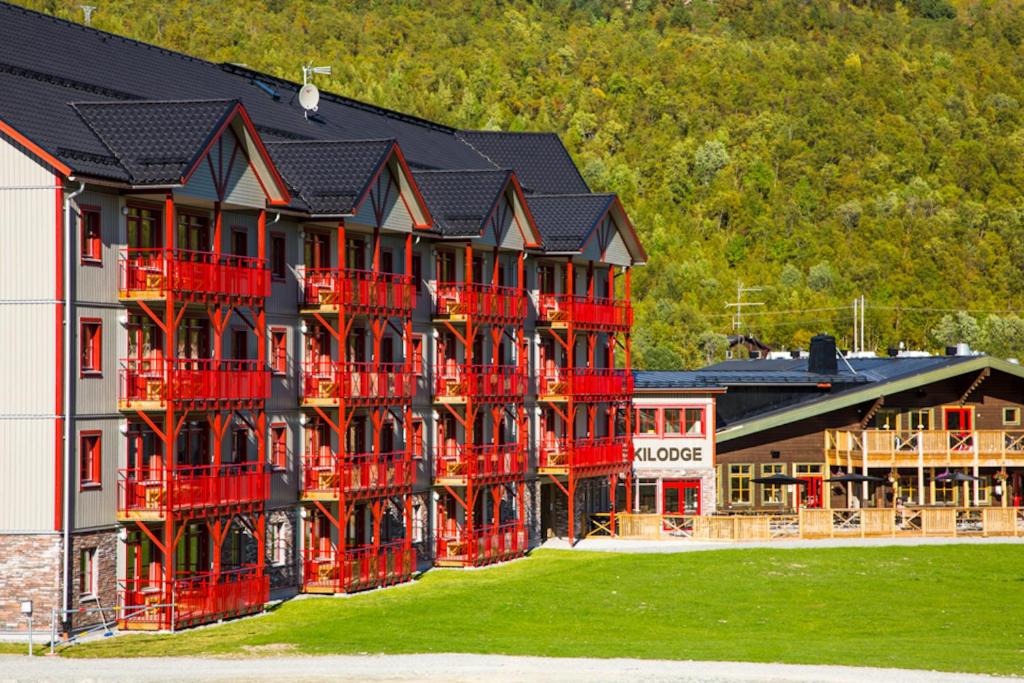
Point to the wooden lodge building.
(913, 422)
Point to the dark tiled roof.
(329, 176)
(794, 370)
(461, 201)
(671, 379)
(155, 142)
(566, 221)
(540, 160)
(46, 63)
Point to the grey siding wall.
(97, 283)
(96, 506)
(241, 189)
(396, 215)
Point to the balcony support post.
(920, 468)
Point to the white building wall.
(29, 322)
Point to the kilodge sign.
(669, 455)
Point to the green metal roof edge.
(870, 392)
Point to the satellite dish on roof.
(309, 97)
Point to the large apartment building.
(249, 348)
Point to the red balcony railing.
(613, 315)
(328, 570)
(488, 302)
(365, 382)
(480, 461)
(603, 451)
(359, 291)
(594, 384)
(483, 545)
(328, 475)
(479, 382)
(148, 490)
(155, 273)
(193, 599)
(192, 379)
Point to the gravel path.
(448, 667)
(615, 545)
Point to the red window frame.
(279, 445)
(279, 350)
(417, 354)
(87, 573)
(417, 438)
(417, 272)
(90, 335)
(659, 419)
(278, 256)
(91, 236)
(90, 460)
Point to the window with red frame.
(91, 242)
(279, 446)
(90, 460)
(279, 350)
(91, 339)
(417, 354)
(417, 438)
(417, 272)
(646, 422)
(278, 256)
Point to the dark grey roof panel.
(540, 160)
(566, 221)
(460, 201)
(155, 142)
(329, 176)
(670, 379)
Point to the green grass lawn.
(954, 608)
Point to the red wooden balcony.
(151, 604)
(328, 383)
(584, 384)
(328, 570)
(191, 275)
(151, 383)
(358, 292)
(602, 454)
(458, 463)
(487, 303)
(327, 476)
(147, 493)
(459, 382)
(481, 546)
(610, 315)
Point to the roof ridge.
(226, 100)
(607, 195)
(330, 142)
(469, 131)
(465, 170)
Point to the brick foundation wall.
(104, 595)
(29, 570)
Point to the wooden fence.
(835, 523)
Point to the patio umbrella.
(854, 478)
(780, 480)
(956, 476)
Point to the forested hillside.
(818, 150)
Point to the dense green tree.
(821, 150)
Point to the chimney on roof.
(822, 358)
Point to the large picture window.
(772, 494)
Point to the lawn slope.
(954, 608)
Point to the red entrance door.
(680, 497)
(810, 495)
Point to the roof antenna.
(309, 96)
(88, 10)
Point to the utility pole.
(737, 319)
(88, 10)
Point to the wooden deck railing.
(928, 448)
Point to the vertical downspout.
(69, 422)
